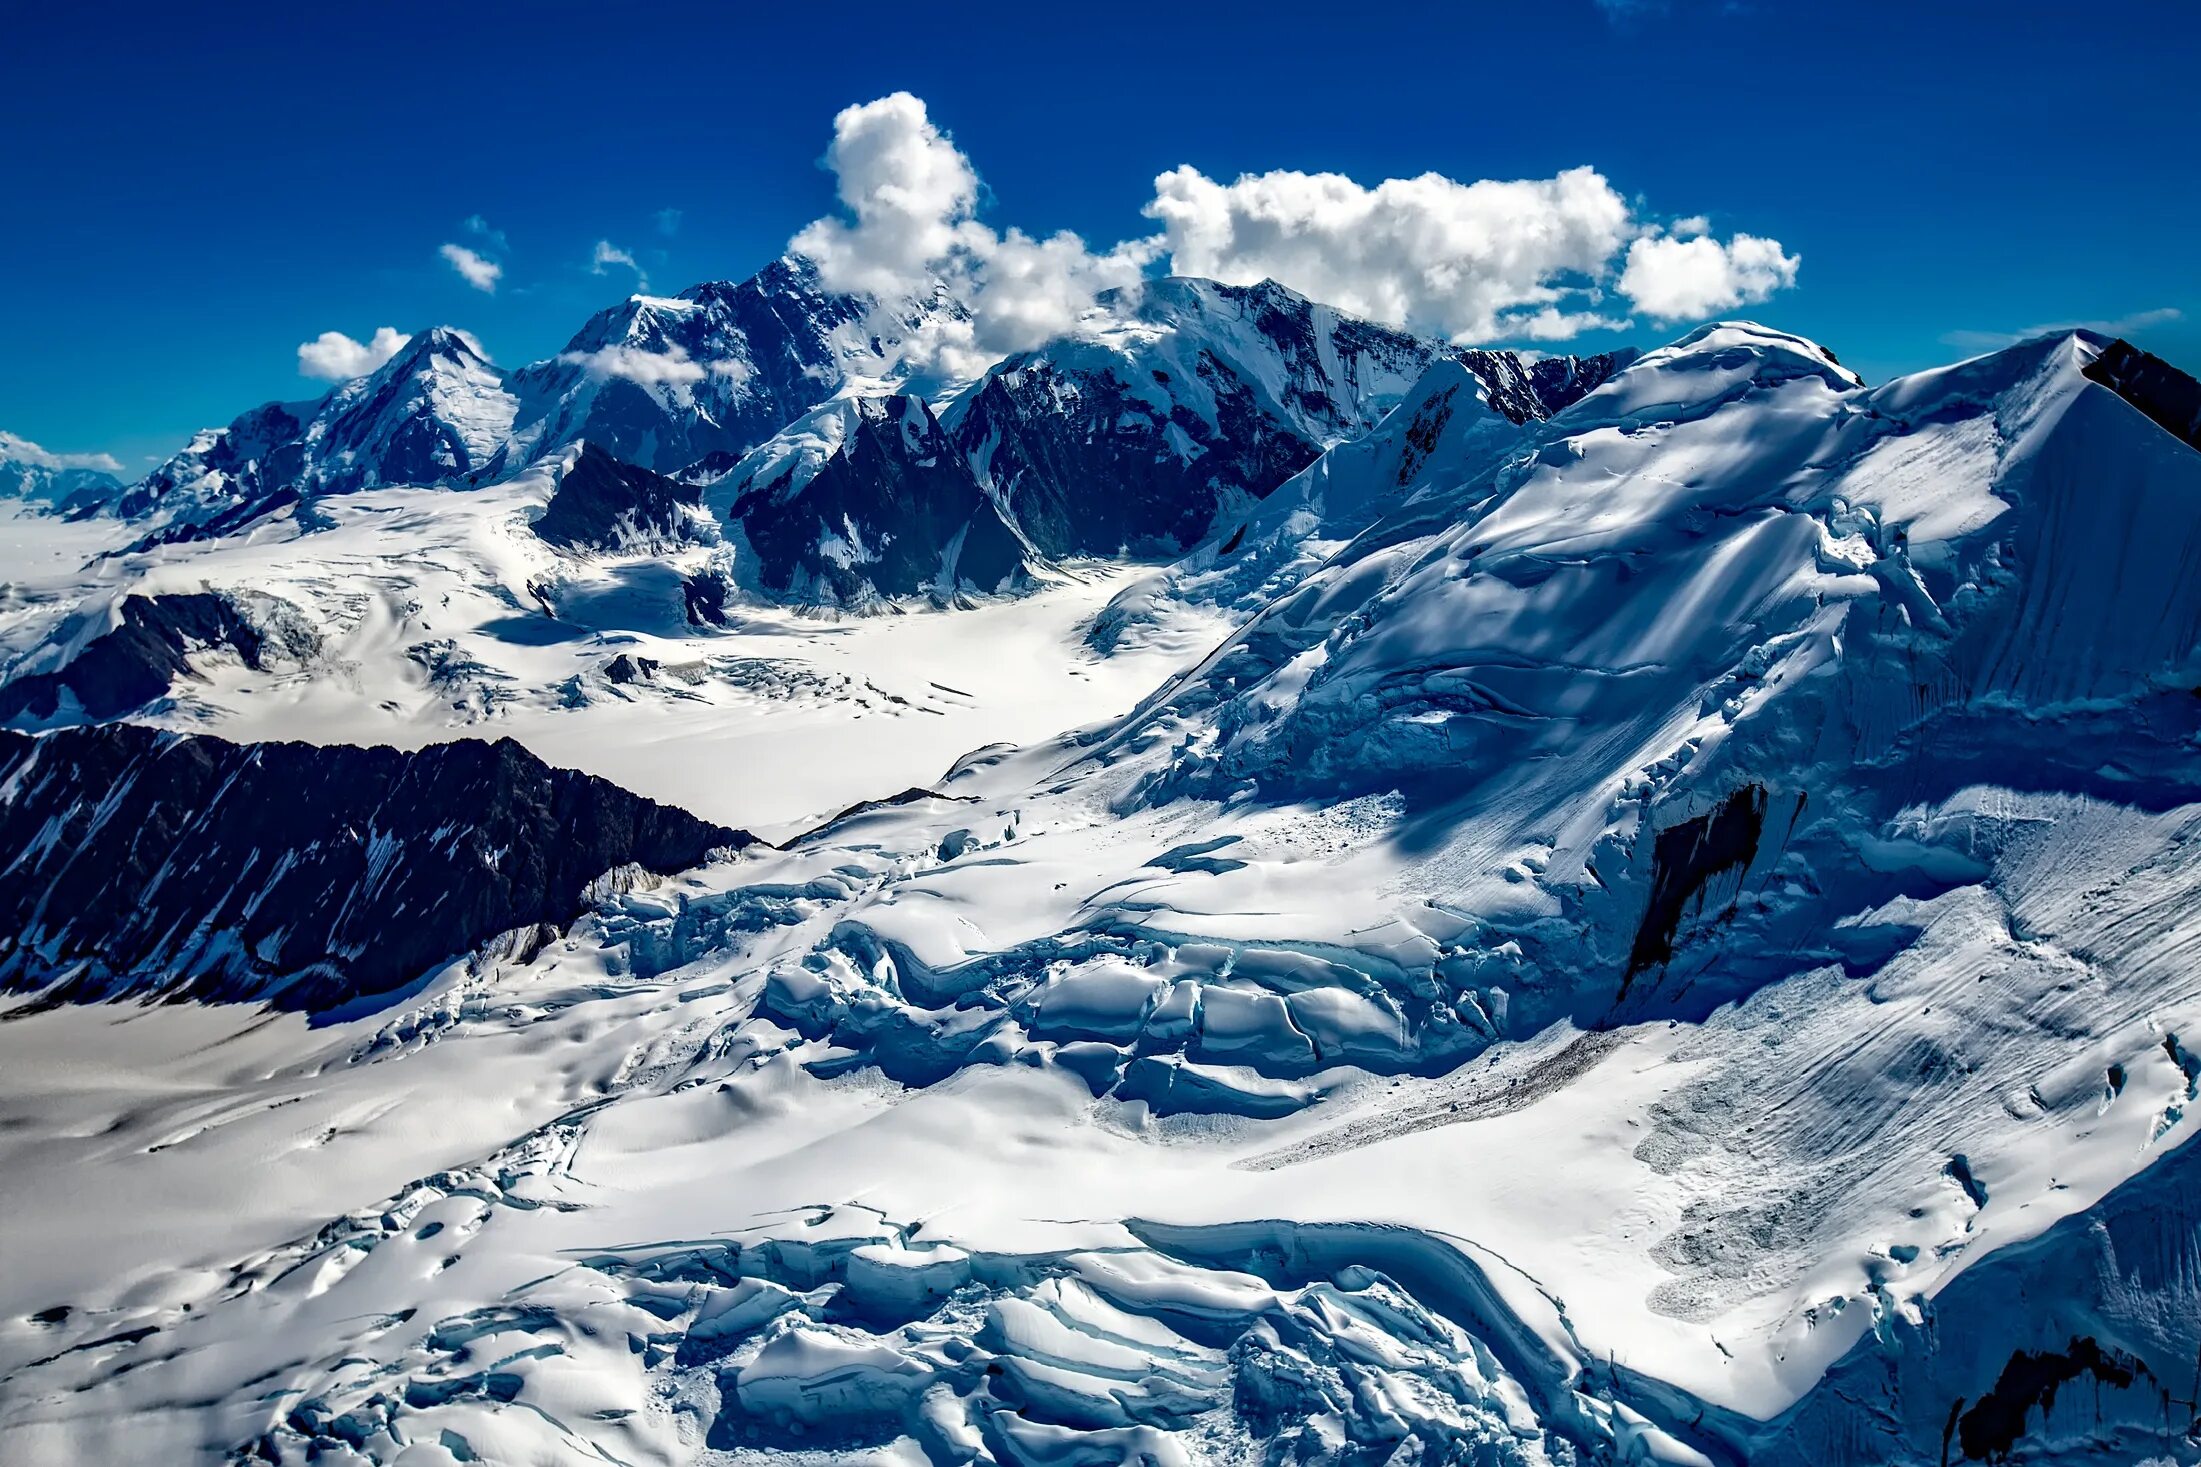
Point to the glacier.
(1622, 911)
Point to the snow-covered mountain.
(1185, 398)
(1167, 409)
(663, 382)
(435, 413)
(866, 498)
(1648, 918)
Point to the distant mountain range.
(1176, 404)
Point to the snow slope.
(1671, 943)
(411, 616)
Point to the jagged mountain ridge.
(663, 382)
(1178, 403)
(293, 874)
(1131, 436)
(435, 413)
(1189, 396)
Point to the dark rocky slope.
(139, 660)
(892, 510)
(603, 504)
(134, 861)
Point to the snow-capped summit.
(664, 381)
(435, 413)
(1185, 398)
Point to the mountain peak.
(446, 342)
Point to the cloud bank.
(334, 357)
(15, 449)
(911, 198)
(1461, 260)
(1487, 260)
(670, 368)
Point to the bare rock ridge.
(140, 658)
(298, 875)
(2169, 398)
(603, 504)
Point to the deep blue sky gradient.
(186, 193)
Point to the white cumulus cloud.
(1677, 279)
(17, 449)
(1540, 259)
(633, 364)
(335, 357)
(1429, 253)
(911, 194)
(476, 270)
(910, 197)
(608, 254)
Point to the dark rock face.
(140, 660)
(1993, 1427)
(2170, 399)
(134, 861)
(602, 504)
(1561, 382)
(1525, 391)
(706, 598)
(1219, 393)
(1685, 860)
(1088, 467)
(894, 510)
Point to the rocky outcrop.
(604, 505)
(871, 499)
(2170, 399)
(140, 659)
(135, 861)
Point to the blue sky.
(190, 196)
